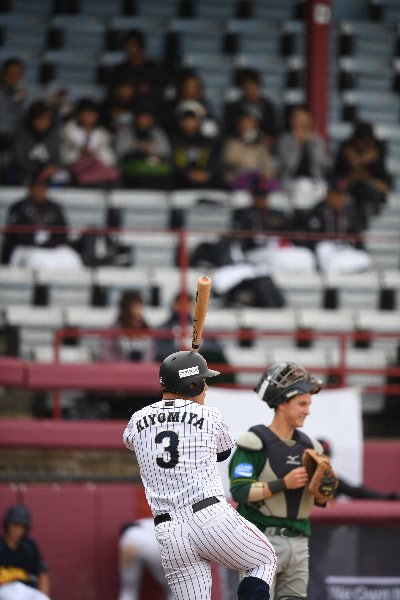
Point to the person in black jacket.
(37, 145)
(23, 573)
(361, 161)
(195, 157)
(41, 214)
(252, 101)
(337, 216)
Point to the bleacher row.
(364, 62)
(251, 338)
(202, 213)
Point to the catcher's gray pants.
(291, 577)
(191, 541)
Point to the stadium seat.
(67, 354)
(90, 318)
(379, 321)
(66, 288)
(372, 402)
(16, 286)
(300, 289)
(326, 321)
(314, 359)
(354, 290)
(188, 198)
(82, 207)
(168, 283)
(141, 209)
(151, 249)
(390, 281)
(270, 321)
(113, 281)
(34, 326)
(254, 358)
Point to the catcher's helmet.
(18, 514)
(283, 381)
(185, 373)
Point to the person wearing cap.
(178, 442)
(268, 480)
(23, 573)
(337, 216)
(195, 156)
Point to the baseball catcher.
(274, 486)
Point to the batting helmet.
(185, 373)
(283, 381)
(19, 515)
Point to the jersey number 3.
(172, 449)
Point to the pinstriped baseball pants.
(190, 542)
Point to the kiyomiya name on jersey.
(171, 417)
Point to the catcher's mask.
(184, 373)
(283, 381)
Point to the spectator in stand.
(336, 215)
(195, 157)
(56, 95)
(134, 346)
(37, 145)
(12, 99)
(181, 317)
(253, 102)
(245, 153)
(41, 248)
(23, 573)
(189, 89)
(361, 161)
(263, 252)
(302, 159)
(87, 149)
(144, 71)
(137, 346)
(144, 150)
(118, 109)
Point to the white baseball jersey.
(176, 444)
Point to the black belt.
(195, 507)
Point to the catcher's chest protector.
(282, 459)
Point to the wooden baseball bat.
(200, 309)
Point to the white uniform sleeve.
(225, 439)
(128, 435)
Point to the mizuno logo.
(188, 372)
(293, 460)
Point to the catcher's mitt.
(322, 479)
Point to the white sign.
(336, 416)
(362, 588)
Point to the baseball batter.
(178, 442)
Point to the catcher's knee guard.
(253, 588)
